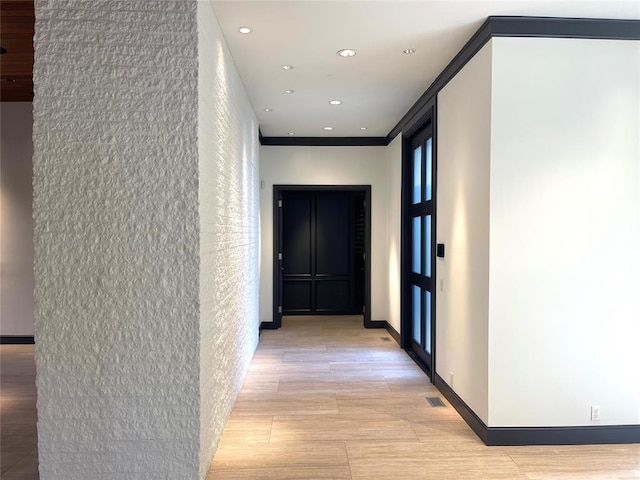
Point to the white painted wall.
(464, 127)
(394, 243)
(16, 227)
(565, 232)
(325, 166)
(228, 207)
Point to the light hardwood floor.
(18, 438)
(327, 399)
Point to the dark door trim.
(277, 244)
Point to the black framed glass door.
(420, 274)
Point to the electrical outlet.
(451, 379)
(595, 412)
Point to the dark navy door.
(322, 252)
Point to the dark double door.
(323, 252)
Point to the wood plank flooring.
(18, 437)
(327, 399)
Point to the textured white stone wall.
(229, 195)
(136, 277)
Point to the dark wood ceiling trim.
(502, 26)
(550, 27)
(325, 141)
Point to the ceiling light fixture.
(291, 133)
(245, 30)
(409, 51)
(363, 128)
(346, 52)
(327, 128)
(335, 102)
(289, 91)
(268, 110)
(287, 67)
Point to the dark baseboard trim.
(469, 416)
(393, 332)
(17, 340)
(513, 436)
(325, 141)
(375, 324)
(589, 435)
(268, 326)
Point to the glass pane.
(417, 174)
(429, 172)
(427, 316)
(416, 315)
(427, 246)
(417, 245)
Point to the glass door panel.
(427, 246)
(428, 184)
(416, 240)
(427, 324)
(417, 174)
(417, 318)
(420, 217)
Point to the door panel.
(332, 296)
(420, 221)
(297, 296)
(319, 268)
(333, 235)
(297, 234)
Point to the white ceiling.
(380, 83)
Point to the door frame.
(428, 114)
(277, 244)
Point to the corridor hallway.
(327, 399)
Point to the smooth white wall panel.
(394, 240)
(325, 166)
(565, 232)
(16, 227)
(463, 156)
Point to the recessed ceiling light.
(363, 128)
(289, 91)
(409, 51)
(291, 133)
(335, 102)
(3, 50)
(287, 67)
(327, 128)
(346, 52)
(245, 30)
(268, 110)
